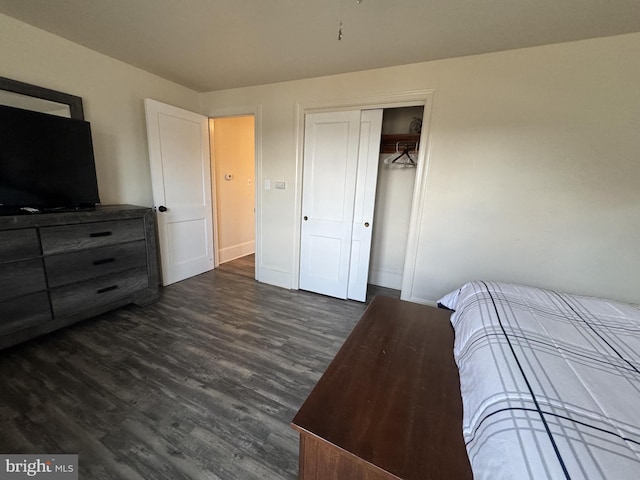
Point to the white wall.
(112, 93)
(533, 167)
(533, 160)
(233, 153)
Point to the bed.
(550, 383)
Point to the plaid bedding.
(550, 383)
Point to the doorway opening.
(233, 179)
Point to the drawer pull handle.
(103, 261)
(107, 289)
(100, 234)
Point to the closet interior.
(399, 143)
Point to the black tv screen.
(46, 161)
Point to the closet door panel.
(328, 173)
(364, 203)
(328, 195)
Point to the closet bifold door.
(335, 202)
(328, 191)
(364, 203)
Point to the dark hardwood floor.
(200, 385)
(241, 266)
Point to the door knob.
(162, 208)
(366, 224)
(305, 218)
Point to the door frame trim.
(425, 98)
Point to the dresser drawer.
(90, 295)
(18, 244)
(22, 277)
(87, 264)
(24, 312)
(89, 235)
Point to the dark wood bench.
(388, 406)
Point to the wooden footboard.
(388, 406)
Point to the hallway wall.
(234, 154)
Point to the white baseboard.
(386, 279)
(274, 277)
(423, 301)
(236, 251)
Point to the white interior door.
(328, 192)
(365, 198)
(181, 182)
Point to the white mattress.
(550, 383)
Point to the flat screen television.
(46, 162)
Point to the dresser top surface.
(100, 213)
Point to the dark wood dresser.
(60, 268)
(388, 406)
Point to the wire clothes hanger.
(404, 158)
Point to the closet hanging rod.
(404, 145)
(398, 147)
(391, 143)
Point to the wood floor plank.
(200, 385)
(241, 266)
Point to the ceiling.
(217, 44)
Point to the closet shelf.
(393, 142)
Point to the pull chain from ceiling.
(340, 35)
